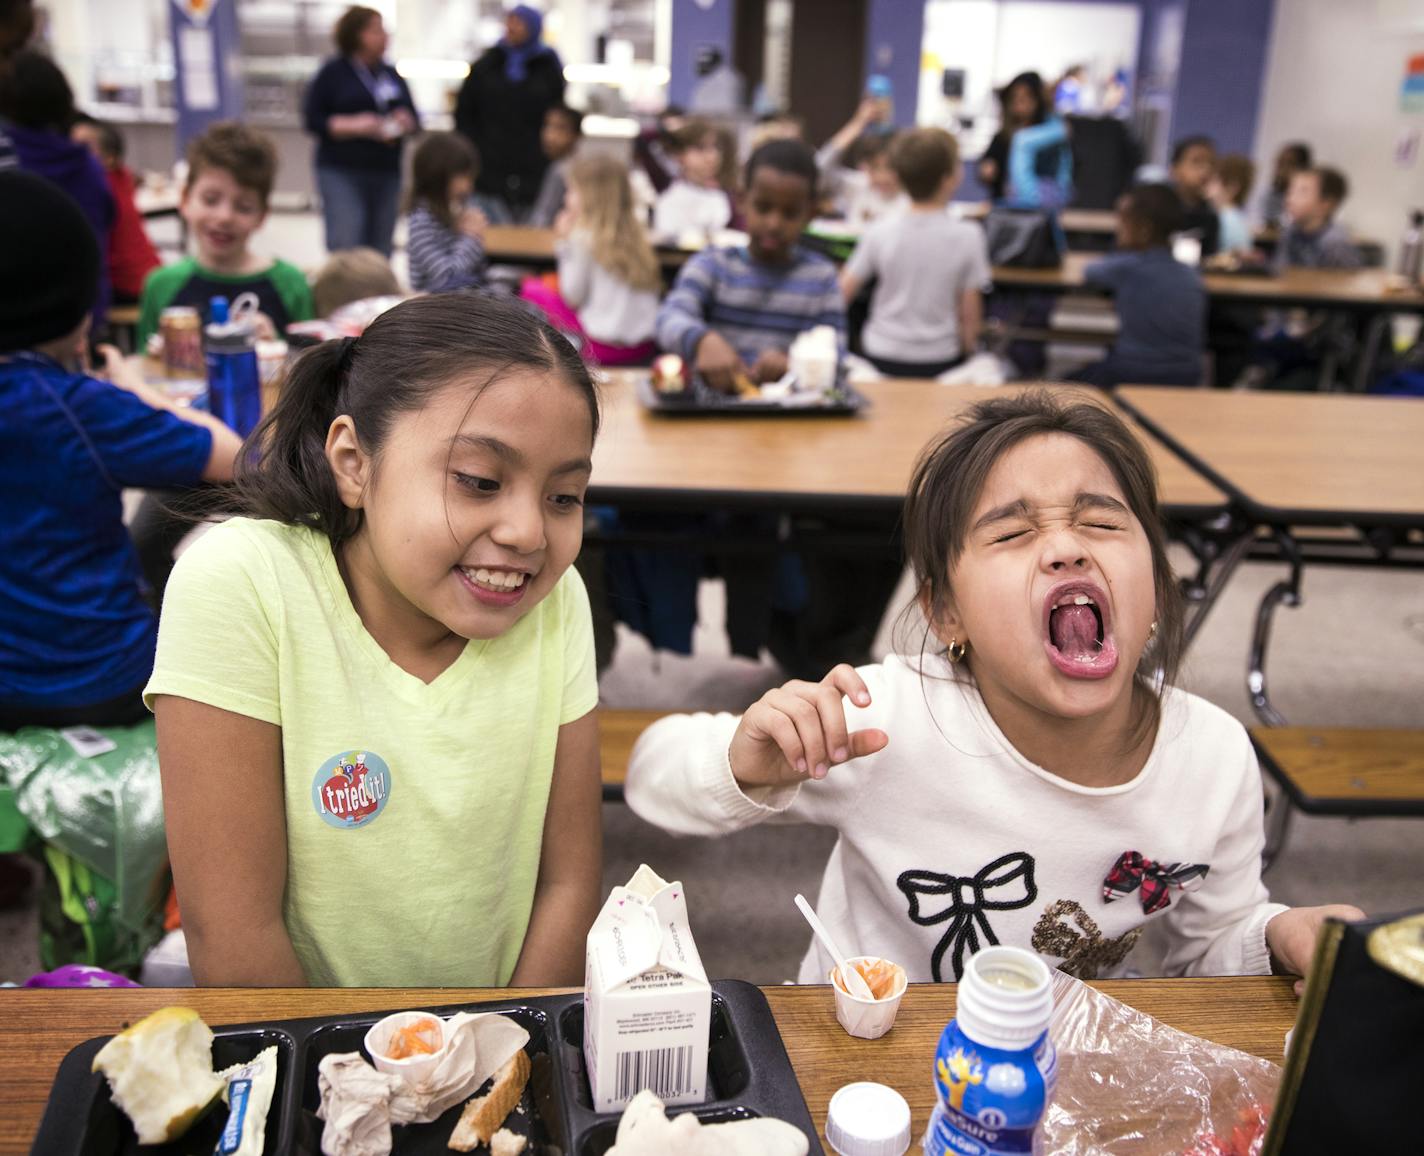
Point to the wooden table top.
(1357, 289)
(800, 462)
(533, 245)
(1293, 458)
(1248, 1013)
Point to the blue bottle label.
(991, 1100)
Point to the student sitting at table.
(1193, 166)
(1313, 239)
(353, 275)
(231, 170)
(859, 182)
(1228, 191)
(1029, 776)
(79, 637)
(375, 687)
(132, 256)
(608, 275)
(562, 131)
(1160, 303)
(696, 202)
(735, 310)
(929, 268)
(446, 231)
(1291, 158)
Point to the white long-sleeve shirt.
(609, 309)
(951, 840)
(684, 207)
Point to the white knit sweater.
(951, 840)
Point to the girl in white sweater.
(1024, 780)
(608, 276)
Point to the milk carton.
(647, 1003)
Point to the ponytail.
(392, 368)
(283, 472)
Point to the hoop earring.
(957, 650)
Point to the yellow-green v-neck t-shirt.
(415, 811)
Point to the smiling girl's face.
(1054, 589)
(472, 511)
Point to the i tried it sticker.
(352, 789)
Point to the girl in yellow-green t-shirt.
(375, 687)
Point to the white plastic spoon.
(853, 980)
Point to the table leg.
(1369, 353)
(1287, 591)
(1278, 817)
(1203, 590)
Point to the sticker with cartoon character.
(351, 789)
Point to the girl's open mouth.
(494, 587)
(1077, 630)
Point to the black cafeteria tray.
(749, 1075)
(844, 400)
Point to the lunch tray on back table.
(748, 1075)
(843, 401)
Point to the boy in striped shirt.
(736, 310)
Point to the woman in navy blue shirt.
(360, 110)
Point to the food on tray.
(484, 1115)
(645, 1130)
(247, 1091)
(880, 975)
(507, 1143)
(669, 375)
(360, 1102)
(745, 386)
(160, 1073)
(421, 1038)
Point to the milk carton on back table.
(647, 1003)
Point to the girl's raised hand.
(798, 731)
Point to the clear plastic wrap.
(1129, 1085)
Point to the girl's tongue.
(1074, 630)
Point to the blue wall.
(895, 30)
(694, 28)
(1223, 71)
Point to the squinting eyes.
(1009, 537)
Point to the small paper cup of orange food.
(869, 1019)
(407, 1044)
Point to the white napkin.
(359, 1104)
(645, 1130)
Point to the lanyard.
(384, 91)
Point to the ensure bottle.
(234, 382)
(995, 1066)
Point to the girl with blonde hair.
(608, 276)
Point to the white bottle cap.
(1005, 998)
(868, 1120)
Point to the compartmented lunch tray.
(748, 1075)
(843, 401)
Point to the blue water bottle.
(234, 382)
(996, 1065)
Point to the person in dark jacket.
(360, 110)
(501, 109)
(37, 106)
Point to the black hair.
(111, 140)
(1299, 152)
(1333, 184)
(439, 159)
(1034, 83)
(35, 94)
(1187, 143)
(1158, 209)
(572, 115)
(403, 356)
(792, 157)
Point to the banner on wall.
(1411, 93)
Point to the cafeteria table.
(805, 464)
(1249, 1013)
(1292, 462)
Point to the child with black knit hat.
(79, 637)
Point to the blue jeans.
(359, 207)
